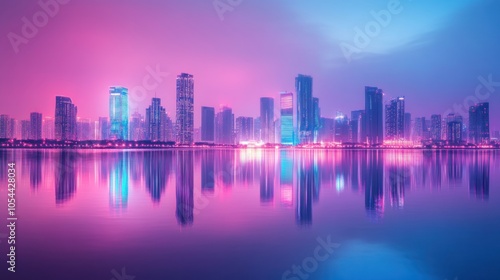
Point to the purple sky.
(432, 53)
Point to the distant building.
(305, 109)
(454, 129)
(65, 120)
(358, 134)
(395, 119)
(207, 124)
(286, 124)
(341, 128)
(103, 128)
(436, 125)
(256, 128)
(25, 129)
(374, 115)
(4, 126)
(244, 129)
(327, 130)
(267, 119)
(48, 128)
(84, 130)
(479, 123)
(317, 119)
(118, 113)
(225, 126)
(420, 129)
(185, 108)
(155, 115)
(35, 126)
(408, 135)
(496, 135)
(137, 127)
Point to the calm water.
(254, 214)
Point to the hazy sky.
(430, 52)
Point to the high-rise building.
(358, 134)
(185, 108)
(374, 115)
(436, 125)
(455, 132)
(420, 129)
(408, 126)
(4, 126)
(48, 128)
(244, 129)
(154, 115)
(305, 109)
(496, 134)
(25, 129)
(479, 123)
(286, 104)
(84, 129)
(36, 126)
(65, 120)
(327, 130)
(267, 119)
(207, 124)
(103, 128)
(317, 119)
(118, 113)
(256, 128)
(224, 126)
(395, 119)
(168, 128)
(341, 128)
(137, 129)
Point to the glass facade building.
(118, 113)
(286, 103)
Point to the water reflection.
(286, 178)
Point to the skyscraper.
(118, 113)
(374, 115)
(479, 123)
(103, 128)
(305, 113)
(358, 126)
(154, 115)
(4, 126)
(267, 119)
(327, 130)
(207, 124)
(436, 125)
(185, 108)
(395, 119)
(65, 123)
(25, 129)
(48, 128)
(36, 126)
(341, 128)
(317, 119)
(225, 126)
(244, 129)
(137, 128)
(408, 126)
(286, 103)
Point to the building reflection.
(208, 171)
(224, 168)
(267, 177)
(35, 167)
(373, 173)
(119, 180)
(479, 175)
(184, 184)
(65, 175)
(157, 168)
(286, 178)
(305, 185)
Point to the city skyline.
(227, 72)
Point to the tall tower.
(374, 115)
(207, 124)
(154, 117)
(65, 123)
(305, 114)
(267, 119)
(185, 108)
(35, 126)
(286, 102)
(395, 119)
(118, 113)
(479, 123)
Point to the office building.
(207, 124)
(267, 119)
(479, 123)
(395, 119)
(305, 109)
(35, 126)
(185, 108)
(118, 113)
(374, 115)
(65, 119)
(286, 120)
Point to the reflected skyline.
(285, 178)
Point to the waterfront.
(254, 213)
